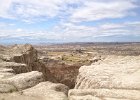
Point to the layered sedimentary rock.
(24, 54)
(21, 81)
(24, 80)
(113, 72)
(42, 91)
(13, 67)
(21, 70)
(23, 58)
(66, 72)
(63, 73)
(116, 77)
(21, 54)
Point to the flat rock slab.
(3, 70)
(42, 91)
(4, 88)
(48, 91)
(104, 94)
(24, 80)
(17, 96)
(17, 67)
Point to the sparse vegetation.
(78, 53)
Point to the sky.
(59, 21)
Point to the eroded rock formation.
(24, 77)
(117, 77)
(63, 73)
(20, 70)
(23, 58)
(48, 91)
(42, 91)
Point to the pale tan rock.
(16, 67)
(3, 70)
(4, 88)
(116, 77)
(105, 94)
(22, 59)
(17, 96)
(24, 80)
(6, 75)
(22, 54)
(122, 72)
(85, 97)
(48, 91)
(42, 91)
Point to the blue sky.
(57, 21)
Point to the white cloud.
(74, 32)
(95, 10)
(70, 11)
(5, 25)
(19, 30)
(28, 10)
(126, 28)
(35, 8)
(4, 8)
(111, 26)
(80, 10)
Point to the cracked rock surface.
(114, 78)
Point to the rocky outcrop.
(113, 72)
(21, 81)
(19, 66)
(42, 91)
(116, 77)
(48, 91)
(23, 77)
(21, 70)
(24, 54)
(21, 54)
(24, 80)
(22, 59)
(13, 67)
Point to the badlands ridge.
(26, 76)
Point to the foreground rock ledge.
(21, 81)
(104, 94)
(48, 91)
(42, 91)
(115, 78)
